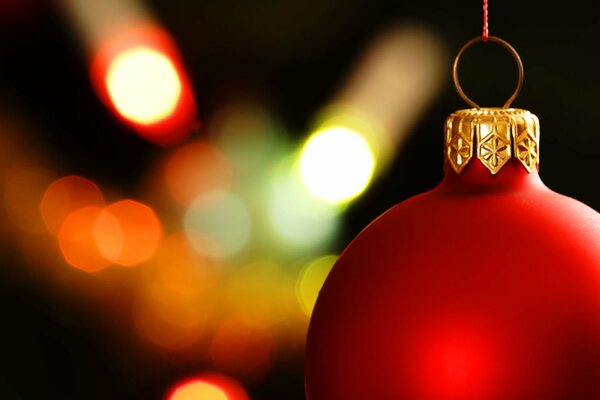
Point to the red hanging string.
(485, 21)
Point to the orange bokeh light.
(242, 350)
(196, 168)
(66, 195)
(181, 269)
(199, 390)
(169, 321)
(209, 387)
(77, 242)
(128, 232)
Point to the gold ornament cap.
(491, 135)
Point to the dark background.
(295, 54)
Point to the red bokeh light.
(163, 111)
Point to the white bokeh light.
(336, 164)
(143, 84)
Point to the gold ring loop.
(504, 44)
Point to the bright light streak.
(136, 67)
(144, 85)
(218, 224)
(127, 232)
(336, 164)
(66, 195)
(77, 243)
(311, 281)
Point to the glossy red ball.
(486, 287)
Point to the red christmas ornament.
(486, 287)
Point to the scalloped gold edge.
(494, 135)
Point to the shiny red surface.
(486, 287)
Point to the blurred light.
(143, 85)
(208, 386)
(242, 351)
(77, 243)
(136, 67)
(248, 135)
(22, 195)
(311, 280)
(261, 294)
(180, 269)
(169, 318)
(199, 390)
(196, 168)
(301, 221)
(398, 76)
(255, 143)
(139, 74)
(336, 164)
(218, 224)
(127, 232)
(66, 195)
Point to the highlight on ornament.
(337, 164)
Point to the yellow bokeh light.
(336, 164)
(261, 294)
(199, 390)
(311, 280)
(144, 85)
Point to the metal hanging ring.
(504, 44)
